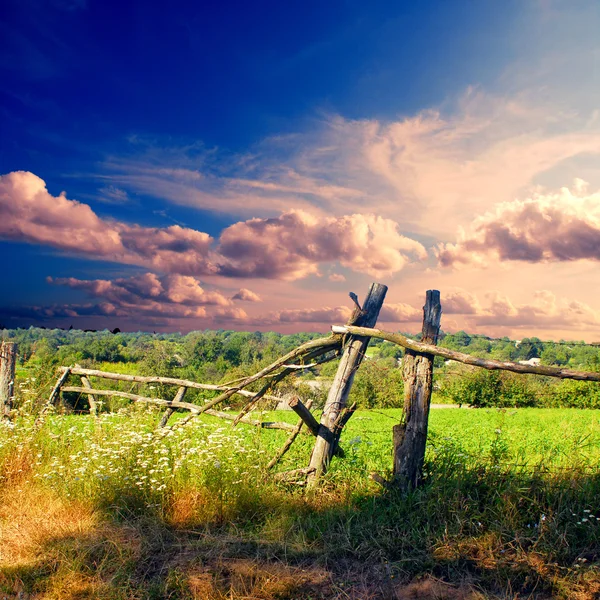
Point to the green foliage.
(482, 388)
(221, 356)
(378, 383)
(573, 394)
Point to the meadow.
(114, 508)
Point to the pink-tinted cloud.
(232, 315)
(390, 313)
(543, 311)
(400, 313)
(113, 195)
(460, 302)
(337, 277)
(430, 170)
(29, 213)
(338, 314)
(293, 245)
(561, 226)
(246, 295)
(288, 247)
(173, 296)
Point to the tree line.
(219, 356)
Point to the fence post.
(410, 436)
(8, 360)
(92, 400)
(327, 440)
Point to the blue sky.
(208, 148)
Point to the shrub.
(378, 383)
(482, 388)
(573, 394)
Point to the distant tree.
(456, 341)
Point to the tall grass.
(113, 508)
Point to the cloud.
(390, 313)
(430, 170)
(43, 313)
(460, 302)
(550, 227)
(293, 245)
(30, 214)
(246, 296)
(172, 296)
(230, 315)
(338, 314)
(337, 277)
(400, 313)
(112, 195)
(544, 310)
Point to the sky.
(194, 165)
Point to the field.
(109, 508)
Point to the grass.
(109, 508)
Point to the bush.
(482, 388)
(572, 394)
(378, 383)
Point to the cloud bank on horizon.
(492, 195)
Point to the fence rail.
(484, 363)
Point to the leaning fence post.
(410, 436)
(169, 411)
(92, 400)
(355, 347)
(8, 361)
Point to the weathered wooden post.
(167, 414)
(410, 436)
(8, 361)
(92, 400)
(355, 347)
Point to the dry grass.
(55, 548)
(470, 534)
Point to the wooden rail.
(484, 363)
(154, 379)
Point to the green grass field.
(111, 508)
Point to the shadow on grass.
(467, 534)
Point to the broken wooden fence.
(335, 415)
(350, 341)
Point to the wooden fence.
(349, 342)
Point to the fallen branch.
(377, 478)
(91, 398)
(313, 425)
(135, 398)
(302, 411)
(492, 365)
(52, 399)
(66, 371)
